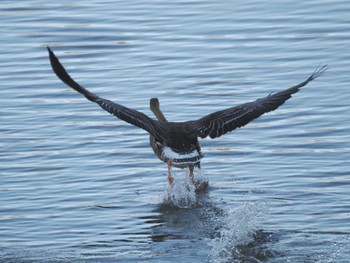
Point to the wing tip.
(55, 64)
(51, 54)
(320, 69)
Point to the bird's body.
(176, 143)
(180, 150)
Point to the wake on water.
(231, 235)
(229, 229)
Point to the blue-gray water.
(79, 185)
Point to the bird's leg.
(191, 174)
(170, 178)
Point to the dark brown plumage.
(176, 143)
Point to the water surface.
(79, 185)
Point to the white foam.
(238, 226)
(181, 194)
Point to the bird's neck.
(154, 105)
(159, 115)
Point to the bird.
(177, 143)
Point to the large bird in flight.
(176, 143)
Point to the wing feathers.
(126, 114)
(221, 122)
(213, 125)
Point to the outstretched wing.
(126, 114)
(221, 122)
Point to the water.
(78, 185)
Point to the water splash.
(237, 228)
(336, 252)
(183, 194)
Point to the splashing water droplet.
(238, 227)
(182, 194)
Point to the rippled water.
(79, 185)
